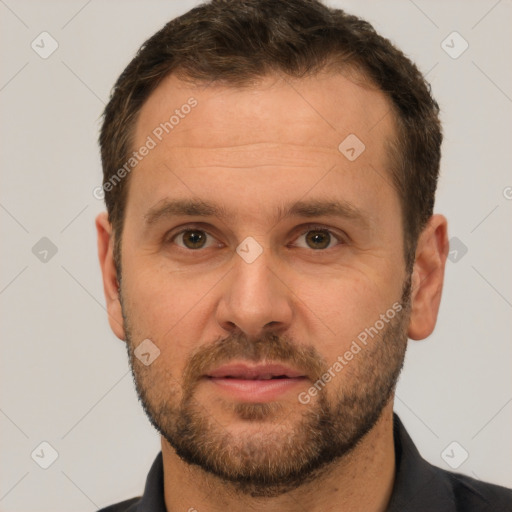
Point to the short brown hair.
(234, 42)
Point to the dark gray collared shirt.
(418, 487)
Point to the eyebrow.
(169, 208)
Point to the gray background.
(65, 377)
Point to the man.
(270, 245)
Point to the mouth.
(267, 371)
(255, 383)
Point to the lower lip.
(257, 390)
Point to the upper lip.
(254, 371)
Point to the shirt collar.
(418, 485)
(153, 498)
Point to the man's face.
(245, 334)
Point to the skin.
(254, 149)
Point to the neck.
(362, 480)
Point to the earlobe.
(428, 277)
(109, 274)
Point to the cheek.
(161, 296)
(344, 307)
(169, 308)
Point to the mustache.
(268, 347)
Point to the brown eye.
(318, 239)
(192, 238)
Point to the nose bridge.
(255, 297)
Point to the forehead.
(322, 108)
(273, 134)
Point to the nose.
(255, 298)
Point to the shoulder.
(473, 495)
(423, 487)
(123, 506)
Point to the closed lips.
(258, 372)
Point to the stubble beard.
(288, 448)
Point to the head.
(269, 172)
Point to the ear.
(428, 276)
(108, 270)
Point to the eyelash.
(312, 227)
